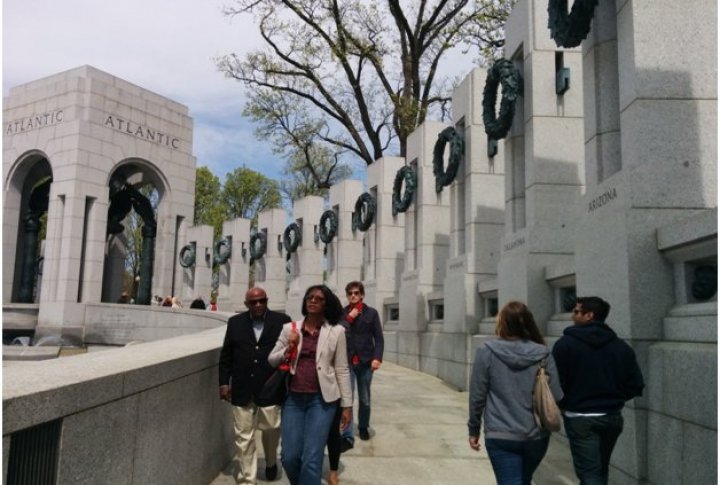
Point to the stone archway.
(28, 190)
(136, 191)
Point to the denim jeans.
(360, 374)
(592, 440)
(514, 462)
(305, 425)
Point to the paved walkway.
(419, 437)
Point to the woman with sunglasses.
(317, 352)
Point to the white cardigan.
(331, 358)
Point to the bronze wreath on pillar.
(328, 226)
(401, 202)
(503, 71)
(569, 30)
(443, 177)
(258, 246)
(364, 213)
(222, 251)
(291, 243)
(187, 255)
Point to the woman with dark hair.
(317, 353)
(501, 389)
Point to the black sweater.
(598, 371)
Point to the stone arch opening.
(26, 203)
(136, 190)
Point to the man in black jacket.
(365, 345)
(243, 369)
(598, 373)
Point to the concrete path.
(419, 437)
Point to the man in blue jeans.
(598, 373)
(365, 350)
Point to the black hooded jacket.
(598, 371)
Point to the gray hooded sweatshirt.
(501, 387)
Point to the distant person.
(176, 303)
(501, 387)
(317, 353)
(124, 297)
(213, 307)
(598, 373)
(198, 304)
(243, 369)
(168, 301)
(365, 345)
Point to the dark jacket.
(364, 335)
(598, 371)
(245, 360)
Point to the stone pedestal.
(270, 270)
(543, 164)
(234, 274)
(196, 280)
(306, 264)
(344, 253)
(383, 242)
(427, 224)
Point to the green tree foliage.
(246, 193)
(357, 75)
(209, 206)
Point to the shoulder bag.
(276, 388)
(545, 409)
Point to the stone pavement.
(419, 437)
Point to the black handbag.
(276, 388)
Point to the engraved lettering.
(33, 122)
(603, 199)
(514, 244)
(141, 131)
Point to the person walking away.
(501, 388)
(365, 345)
(317, 353)
(243, 369)
(598, 373)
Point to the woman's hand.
(345, 419)
(474, 442)
(293, 338)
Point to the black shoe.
(364, 434)
(271, 473)
(346, 444)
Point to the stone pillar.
(543, 165)
(476, 229)
(196, 280)
(306, 264)
(656, 170)
(270, 270)
(383, 243)
(427, 245)
(344, 253)
(235, 273)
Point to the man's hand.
(225, 393)
(375, 364)
(345, 419)
(354, 313)
(474, 442)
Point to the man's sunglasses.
(354, 292)
(259, 301)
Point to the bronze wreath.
(220, 256)
(358, 222)
(503, 71)
(187, 255)
(258, 246)
(443, 177)
(291, 245)
(570, 30)
(328, 226)
(401, 203)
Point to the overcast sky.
(165, 46)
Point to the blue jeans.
(514, 462)
(360, 374)
(592, 440)
(305, 425)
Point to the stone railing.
(146, 413)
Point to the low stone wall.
(147, 413)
